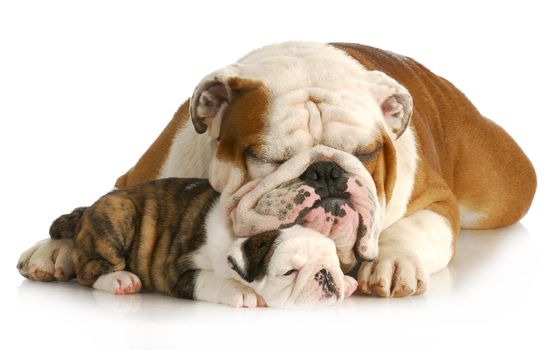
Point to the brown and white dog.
(328, 129)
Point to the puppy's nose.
(327, 178)
(326, 281)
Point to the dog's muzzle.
(324, 189)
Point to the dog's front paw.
(48, 260)
(395, 272)
(238, 295)
(119, 282)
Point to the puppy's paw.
(238, 295)
(48, 260)
(119, 282)
(396, 273)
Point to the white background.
(84, 89)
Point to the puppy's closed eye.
(235, 267)
(290, 272)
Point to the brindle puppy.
(173, 236)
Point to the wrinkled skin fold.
(282, 199)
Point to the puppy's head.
(291, 268)
(305, 128)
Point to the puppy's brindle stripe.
(151, 229)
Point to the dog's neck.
(221, 242)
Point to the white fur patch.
(216, 289)
(189, 154)
(469, 218)
(119, 282)
(220, 242)
(426, 234)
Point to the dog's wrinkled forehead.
(314, 98)
(316, 94)
(311, 93)
(298, 121)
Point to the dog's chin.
(334, 205)
(337, 219)
(327, 214)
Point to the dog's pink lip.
(333, 200)
(345, 198)
(320, 203)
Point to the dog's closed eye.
(253, 156)
(365, 156)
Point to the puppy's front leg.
(207, 286)
(409, 250)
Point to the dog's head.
(291, 268)
(304, 134)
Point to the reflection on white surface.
(487, 298)
(491, 271)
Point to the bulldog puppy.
(173, 236)
(334, 121)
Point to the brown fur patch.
(383, 169)
(150, 229)
(146, 240)
(244, 123)
(462, 153)
(149, 165)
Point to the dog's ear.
(250, 259)
(395, 102)
(211, 99)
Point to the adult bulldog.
(323, 135)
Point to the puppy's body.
(173, 236)
(150, 229)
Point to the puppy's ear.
(211, 99)
(250, 259)
(395, 101)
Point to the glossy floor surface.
(499, 290)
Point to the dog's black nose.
(327, 178)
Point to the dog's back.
(490, 176)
